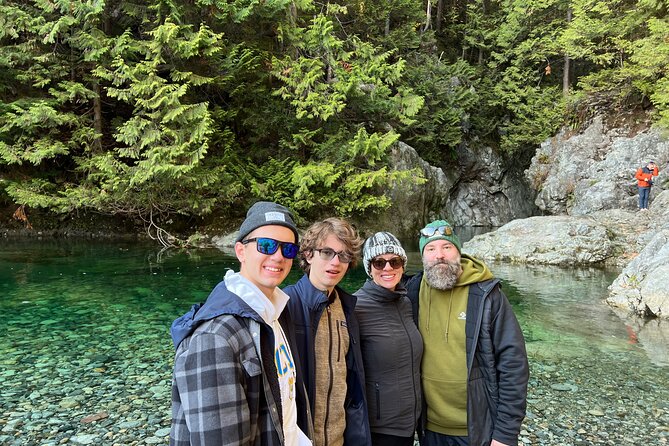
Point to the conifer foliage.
(162, 110)
(157, 110)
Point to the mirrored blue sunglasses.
(269, 246)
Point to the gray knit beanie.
(265, 213)
(379, 244)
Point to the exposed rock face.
(488, 193)
(590, 178)
(642, 286)
(555, 240)
(481, 191)
(413, 205)
(593, 171)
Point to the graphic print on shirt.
(285, 367)
(282, 360)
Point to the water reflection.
(652, 335)
(563, 312)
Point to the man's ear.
(240, 252)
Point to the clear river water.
(86, 357)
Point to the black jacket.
(306, 305)
(497, 366)
(392, 349)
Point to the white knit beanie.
(379, 244)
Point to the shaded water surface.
(85, 334)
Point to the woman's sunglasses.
(269, 246)
(395, 262)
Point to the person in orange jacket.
(644, 176)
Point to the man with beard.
(474, 367)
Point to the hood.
(220, 301)
(473, 271)
(268, 310)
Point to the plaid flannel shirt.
(217, 385)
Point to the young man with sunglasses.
(328, 338)
(474, 368)
(391, 345)
(236, 378)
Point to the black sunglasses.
(329, 253)
(380, 263)
(269, 246)
(443, 230)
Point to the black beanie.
(265, 213)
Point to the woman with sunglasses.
(391, 344)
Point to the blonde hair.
(317, 233)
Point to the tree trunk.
(428, 15)
(97, 116)
(440, 14)
(567, 65)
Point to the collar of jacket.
(316, 299)
(378, 293)
(220, 301)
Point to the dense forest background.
(178, 111)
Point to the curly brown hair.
(315, 236)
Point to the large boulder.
(551, 240)
(642, 286)
(641, 240)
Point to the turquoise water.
(85, 331)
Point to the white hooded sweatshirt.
(269, 311)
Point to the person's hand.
(497, 443)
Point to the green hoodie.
(441, 321)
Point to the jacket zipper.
(337, 323)
(331, 379)
(378, 401)
(413, 372)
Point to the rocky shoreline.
(600, 401)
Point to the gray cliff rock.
(594, 170)
(489, 192)
(413, 205)
(587, 181)
(480, 191)
(642, 286)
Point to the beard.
(442, 274)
